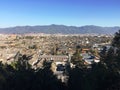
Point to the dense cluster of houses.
(56, 48)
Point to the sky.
(61, 12)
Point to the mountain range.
(55, 29)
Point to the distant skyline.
(61, 12)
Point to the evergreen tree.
(116, 40)
(76, 59)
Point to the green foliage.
(111, 61)
(112, 58)
(14, 65)
(102, 76)
(76, 58)
(116, 40)
(17, 77)
(32, 47)
(29, 37)
(54, 50)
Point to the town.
(67, 57)
(47, 44)
(59, 44)
(57, 48)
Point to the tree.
(76, 59)
(112, 59)
(76, 56)
(116, 40)
(54, 50)
(111, 62)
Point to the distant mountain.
(54, 29)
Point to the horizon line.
(57, 25)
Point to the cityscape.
(59, 45)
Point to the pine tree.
(77, 58)
(116, 40)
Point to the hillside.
(54, 29)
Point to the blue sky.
(66, 12)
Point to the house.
(88, 58)
(84, 50)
